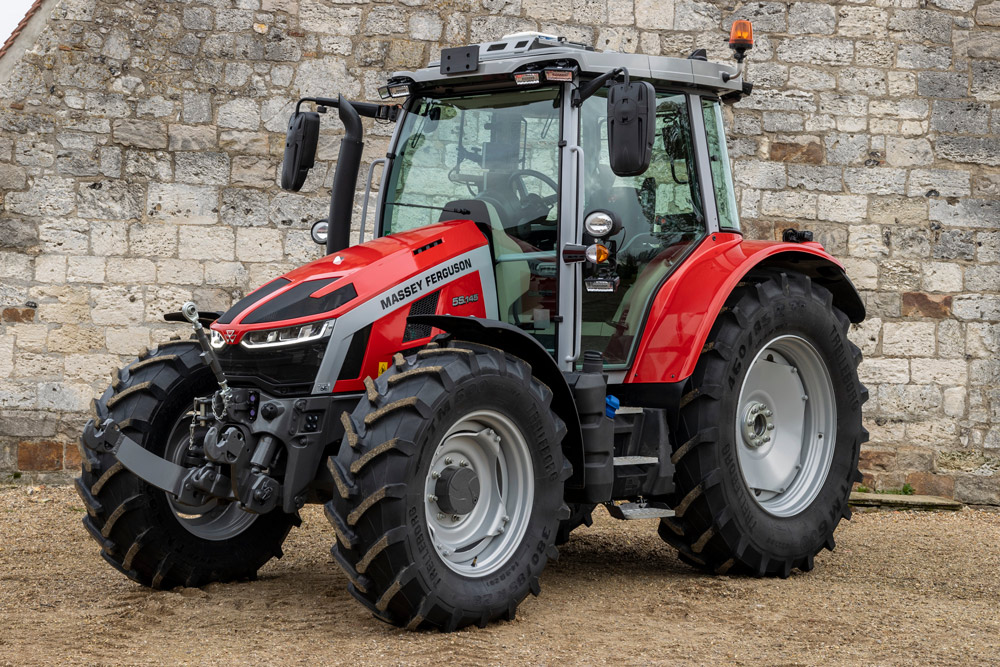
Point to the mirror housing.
(631, 127)
(300, 149)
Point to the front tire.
(143, 532)
(450, 488)
(769, 432)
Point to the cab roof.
(531, 51)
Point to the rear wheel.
(770, 432)
(143, 531)
(450, 483)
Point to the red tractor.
(558, 311)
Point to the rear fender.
(686, 306)
(510, 339)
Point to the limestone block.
(182, 203)
(908, 339)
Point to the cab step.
(632, 511)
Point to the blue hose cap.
(611, 405)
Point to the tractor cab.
(592, 175)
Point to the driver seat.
(513, 278)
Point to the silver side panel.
(372, 310)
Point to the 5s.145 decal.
(462, 300)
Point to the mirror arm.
(581, 94)
(367, 109)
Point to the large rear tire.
(143, 532)
(450, 488)
(770, 432)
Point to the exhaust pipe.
(345, 179)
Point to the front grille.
(425, 306)
(280, 371)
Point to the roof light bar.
(394, 90)
(527, 78)
(560, 73)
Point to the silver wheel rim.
(481, 540)
(786, 426)
(214, 520)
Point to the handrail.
(368, 192)
(577, 226)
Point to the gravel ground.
(901, 587)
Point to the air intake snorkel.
(345, 179)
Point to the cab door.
(662, 218)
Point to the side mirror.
(300, 149)
(631, 127)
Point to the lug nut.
(432, 498)
(447, 460)
(455, 517)
(768, 413)
(770, 427)
(463, 464)
(440, 515)
(435, 474)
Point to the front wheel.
(770, 432)
(143, 531)
(450, 485)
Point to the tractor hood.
(384, 272)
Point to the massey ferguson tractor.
(558, 310)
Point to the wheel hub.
(478, 493)
(786, 422)
(457, 489)
(758, 423)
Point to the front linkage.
(243, 433)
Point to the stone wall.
(140, 142)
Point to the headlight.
(218, 342)
(287, 336)
(600, 224)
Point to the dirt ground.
(900, 588)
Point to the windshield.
(500, 149)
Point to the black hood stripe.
(252, 298)
(297, 302)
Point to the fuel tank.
(327, 325)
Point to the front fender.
(685, 307)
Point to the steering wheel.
(534, 206)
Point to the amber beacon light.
(741, 38)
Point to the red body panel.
(387, 333)
(685, 308)
(371, 267)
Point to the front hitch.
(190, 486)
